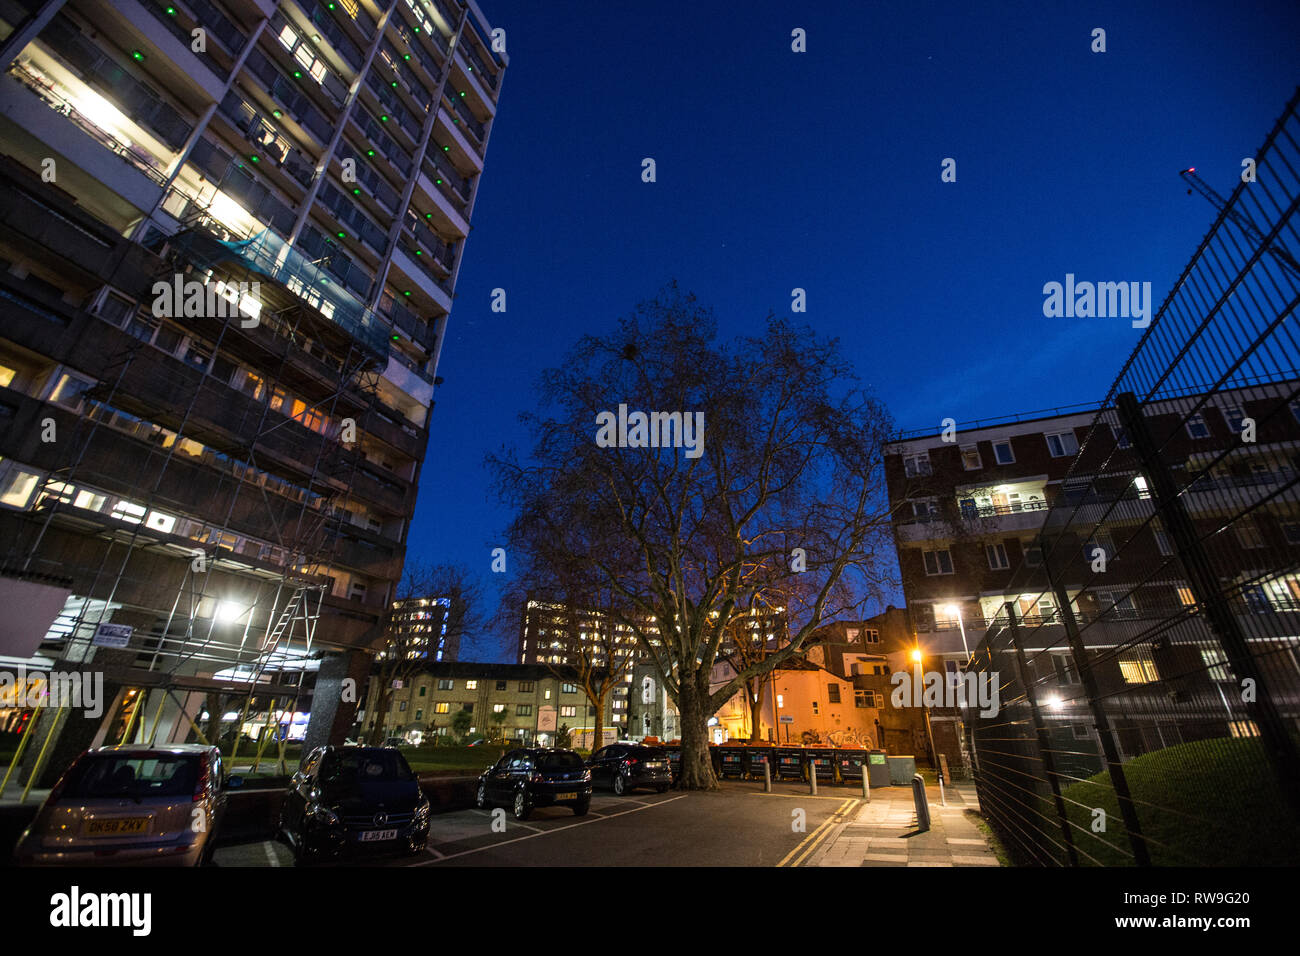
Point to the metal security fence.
(1148, 651)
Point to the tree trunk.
(756, 709)
(598, 727)
(697, 763)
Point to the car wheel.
(481, 800)
(522, 809)
(580, 809)
(620, 784)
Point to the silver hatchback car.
(131, 805)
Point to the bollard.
(943, 772)
(812, 775)
(922, 807)
(767, 776)
(866, 785)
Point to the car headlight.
(422, 811)
(586, 776)
(324, 815)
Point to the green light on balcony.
(407, 292)
(428, 215)
(171, 11)
(297, 74)
(330, 5)
(137, 56)
(462, 92)
(406, 56)
(356, 192)
(341, 235)
(393, 84)
(383, 117)
(276, 113)
(418, 252)
(397, 338)
(439, 182)
(416, 29)
(315, 38)
(370, 152)
(446, 149)
(254, 158)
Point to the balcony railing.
(437, 166)
(465, 115)
(134, 98)
(430, 241)
(391, 149)
(394, 108)
(283, 90)
(205, 15)
(374, 184)
(480, 69)
(332, 31)
(351, 216)
(137, 157)
(265, 138)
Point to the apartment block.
(969, 523)
(525, 703)
(230, 233)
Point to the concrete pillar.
(331, 715)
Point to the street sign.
(786, 719)
(112, 635)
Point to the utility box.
(901, 770)
(878, 769)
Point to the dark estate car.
(624, 766)
(351, 800)
(131, 806)
(539, 777)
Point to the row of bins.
(832, 765)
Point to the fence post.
(1278, 744)
(1044, 741)
(767, 776)
(1118, 780)
(812, 775)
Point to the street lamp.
(967, 733)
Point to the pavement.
(883, 832)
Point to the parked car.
(131, 806)
(395, 742)
(354, 800)
(623, 767)
(537, 777)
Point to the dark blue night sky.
(821, 170)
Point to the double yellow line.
(800, 853)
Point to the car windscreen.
(649, 753)
(367, 766)
(567, 760)
(133, 775)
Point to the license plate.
(116, 826)
(566, 796)
(654, 766)
(374, 836)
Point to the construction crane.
(1242, 221)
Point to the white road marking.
(270, 853)
(567, 826)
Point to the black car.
(625, 766)
(538, 777)
(352, 799)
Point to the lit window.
(159, 521)
(1139, 671)
(69, 389)
(128, 511)
(442, 707)
(471, 685)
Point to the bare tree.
(406, 650)
(686, 529)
